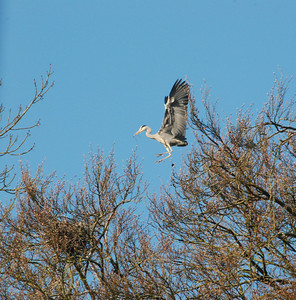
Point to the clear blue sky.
(114, 61)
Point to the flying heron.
(173, 128)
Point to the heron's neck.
(148, 133)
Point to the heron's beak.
(137, 132)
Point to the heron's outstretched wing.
(175, 116)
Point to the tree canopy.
(224, 228)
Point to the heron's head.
(141, 129)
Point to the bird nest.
(68, 237)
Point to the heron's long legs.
(168, 149)
(169, 152)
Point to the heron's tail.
(182, 144)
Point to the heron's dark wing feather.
(175, 116)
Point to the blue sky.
(114, 61)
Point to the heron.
(173, 129)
